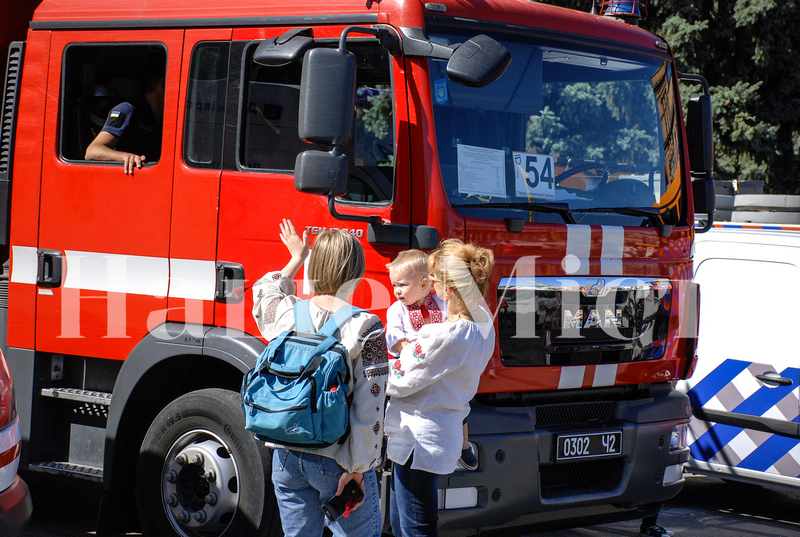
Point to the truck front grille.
(579, 478)
(574, 414)
(557, 321)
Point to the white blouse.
(430, 387)
(363, 337)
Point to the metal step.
(65, 468)
(75, 394)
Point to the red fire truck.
(553, 136)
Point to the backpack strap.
(340, 317)
(303, 323)
(302, 317)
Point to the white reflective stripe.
(129, 274)
(9, 437)
(571, 377)
(8, 473)
(458, 498)
(114, 273)
(579, 244)
(192, 279)
(605, 375)
(611, 254)
(24, 264)
(673, 474)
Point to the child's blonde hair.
(465, 268)
(414, 260)
(336, 260)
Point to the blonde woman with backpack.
(305, 478)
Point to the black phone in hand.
(335, 507)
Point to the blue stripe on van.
(706, 389)
(768, 453)
(707, 446)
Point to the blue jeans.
(414, 505)
(304, 481)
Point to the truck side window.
(205, 105)
(97, 79)
(269, 139)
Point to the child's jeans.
(304, 481)
(414, 506)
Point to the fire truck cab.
(554, 137)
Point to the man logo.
(595, 287)
(594, 318)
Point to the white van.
(744, 391)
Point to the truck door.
(104, 235)
(257, 188)
(744, 392)
(198, 166)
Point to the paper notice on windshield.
(481, 171)
(534, 176)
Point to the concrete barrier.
(745, 202)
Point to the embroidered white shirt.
(430, 387)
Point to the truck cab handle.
(771, 378)
(50, 268)
(230, 282)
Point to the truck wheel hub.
(200, 484)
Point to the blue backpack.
(296, 395)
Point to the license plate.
(582, 446)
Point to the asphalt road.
(711, 507)
(706, 506)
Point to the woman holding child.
(431, 384)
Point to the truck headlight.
(678, 439)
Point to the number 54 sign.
(534, 176)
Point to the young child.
(415, 307)
(432, 383)
(304, 478)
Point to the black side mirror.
(321, 172)
(705, 200)
(478, 62)
(700, 139)
(699, 134)
(327, 96)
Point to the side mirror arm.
(416, 46)
(373, 219)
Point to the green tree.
(747, 50)
(620, 133)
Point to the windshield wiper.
(561, 209)
(651, 213)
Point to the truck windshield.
(569, 133)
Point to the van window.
(205, 105)
(269, 139)
(731, 326)
(97, 79)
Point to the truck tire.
(200, 473)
